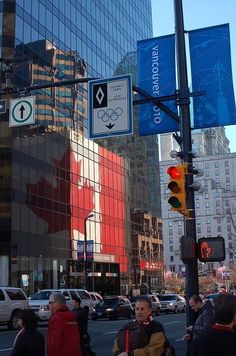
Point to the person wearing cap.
(63, 333)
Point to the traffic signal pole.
(185, 130)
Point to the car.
(96, 298)
(12, 300)
(156, 305)
(39, 301)
(113, 307)
(172, 303)
(211, 297)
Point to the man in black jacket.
(81, 315)
(221, 339)
(204, 319)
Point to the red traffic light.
(211, 249)
(174, 172)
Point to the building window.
(207, 173)
(228, 187)
(227, 180)
(197, 205)
(198, 222)
(171, 248)
(217, 211)
(206, 196)
(170, 215)
(229, 227)
(227, 203)
(216, 164)
(207, 212)
(217, 203)
(207, 204)
(171, 258)
(170, 223)
(198, 230)
(208, 229)
(228, 219)
(180, 223)
(217, 172)
(219, 228)
(206, 165)
(171, 240)
(218, 220)
(170, 232)
(208, 221)
(180, 232)
(227, 171)
(226, 163)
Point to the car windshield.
(42, 295)
(167, 297)
(107, 302)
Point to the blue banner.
(211, 71)
(89, 255)
(156, 76)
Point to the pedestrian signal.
(211, 249)
(177, 199)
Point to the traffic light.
(177, 198)
(211, 249)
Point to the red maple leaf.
(65, 205)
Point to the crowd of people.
(213, 332)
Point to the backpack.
(168, 349)
(131, 337)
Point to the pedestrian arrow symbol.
(22, 111)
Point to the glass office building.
(58, 189)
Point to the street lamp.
(85, 250)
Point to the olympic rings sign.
(109, 114)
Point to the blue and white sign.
(110, 107)
(211, 71)
(3, 106)
(157, 76)
(22, 111)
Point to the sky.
(199, 14)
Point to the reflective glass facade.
(57, 188)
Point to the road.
(103, 332)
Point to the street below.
(103, 332)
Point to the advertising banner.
(157, 76)
(211, 71)
(80, 250)
(89, 254)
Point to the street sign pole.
(185, 129)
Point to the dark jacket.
(156, 339)
(204, 320)
(29, 342)
(220, 341)
(63, 334)
(81, 315)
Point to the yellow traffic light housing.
(177, 199)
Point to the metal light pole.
(185, 129)
(85, 250)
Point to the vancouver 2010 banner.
(212, 72)
(157, 77)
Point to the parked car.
(12, 300)
(39, 301)
(211, 297)
(172, 303)
(156, 305)
(113, 308)
(96, 298)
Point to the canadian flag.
(86, 179)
